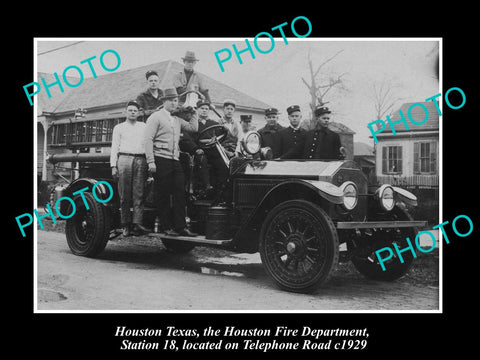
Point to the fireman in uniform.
(245, 125)
(321, 142)
(269, 132)
(292, 138)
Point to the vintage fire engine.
(296, 213)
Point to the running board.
(200, 239)
(378, 224)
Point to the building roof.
(337, 127)
(418, 114)
(46, 104)
(362, 149)
(120, 87)
(340, 128)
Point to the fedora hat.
(170, 93)
(189, 55)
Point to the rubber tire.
(332, 245)
(100, 228)
(373, 270)
(178, 247)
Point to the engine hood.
(308, 169)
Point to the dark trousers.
(170, 183)
(218, 171)
(132, 173)
(218, 174)
(210, 170)
(201, 167)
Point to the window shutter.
(416, 158)
(384, 160)
(399, 155)
(433, 157)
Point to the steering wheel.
(218, 134)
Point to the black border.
(399, 334)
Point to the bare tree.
(320, 86)
(384, 95)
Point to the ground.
(138, 273)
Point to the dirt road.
(137, 273)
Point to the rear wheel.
(299, 246)
(179, 247)
(368, 264)
(88, 230)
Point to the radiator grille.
(249, 192)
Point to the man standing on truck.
(188, 79)
(229, 144)
(149, 100)
(245, 121)
(291, 139)
(162, 134)
(269, 132)
(321, 142)
(127, 160)
(211, 167)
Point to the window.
(58, 134)
(425, 158)
(84, 132)
(392, 160)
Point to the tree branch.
(305, 82)
(325, 62)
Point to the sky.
(276, 77)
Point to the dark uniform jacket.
(291, 143)
(322, 144)
(189, 141)
(210, 152)
(148, 102)
(186, 143)
(270, 138)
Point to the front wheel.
(299, 246)
(368, 263)
(88, 230)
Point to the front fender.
(319, 192)
(327, 190)
(300, 189)
(101, 191)
(405, 196)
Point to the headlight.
(385, 196)
(350, 195)
(251, 142)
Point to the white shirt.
(233, 126)
(241, 137)
(127, 138)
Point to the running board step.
(200, 239)
(378, 224)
